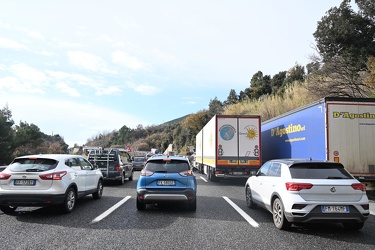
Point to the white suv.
(50, 179)
(307, 191)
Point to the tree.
(344, 33)
(215, 107)
(345, 40)
(367, 8)
(260, 85)
(6, 135)
(232, 98)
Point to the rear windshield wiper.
(336, 177)
(34, 170)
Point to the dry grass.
(268, 107)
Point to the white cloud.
(131, 62)
(88, 61)
(7, 43)
(64, 88)
(29, 75)
(144, 89)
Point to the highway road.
(222, 221)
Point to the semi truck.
(228, 146)
(332, 129)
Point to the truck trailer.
(333, 129)
(228, 146)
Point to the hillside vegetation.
(343, 66)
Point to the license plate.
(24, 182)
(165, 183)
(335, 209)
(237, 173)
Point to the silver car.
(48, 180)
(306, 191)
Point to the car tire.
(131, 176)
(8, 209)
(192, 206)
(69, 201)
(249, 198)
(353, 226)
(140, 205)
(122, 180)
(278, 215)
(99, 190)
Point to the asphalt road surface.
(222, 221)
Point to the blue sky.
(78, 68)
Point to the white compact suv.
(48, 180)
(306, 191)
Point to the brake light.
(186, 173)
(118, 168)
(359, 186)
(4, 176)
(295, 186)
(56, 176)
(145, 172)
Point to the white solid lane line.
(242, 213)
(203, 179)
(110, 210)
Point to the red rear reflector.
(4, 176)
(295, 186)
(53, 176)
(359, 186)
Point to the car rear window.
(32, 164)
(173, 166)
(319, 171)
(139, 159)
(103, 155)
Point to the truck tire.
(212, 177)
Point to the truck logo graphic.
(227, 132)
(252, 132)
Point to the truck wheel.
(212, 178)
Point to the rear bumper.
(317, 216)
(153, 196)
(31, 200)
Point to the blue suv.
(167, 179)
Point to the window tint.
(264, 169)
(33, 165)
(73, 163)
(173, 166)
(319, 171)
(85, 164)
(275, 169)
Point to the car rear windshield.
(139, 159)
(319, 171)
(173, 166)
(32, 164)
(103, 155)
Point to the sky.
(79, 68)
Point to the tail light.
(186, 173)
(145, 172)
(4, 176)
(118, 168)
(359, 186)
(295, 186)
(56, 176)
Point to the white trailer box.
(228, 146)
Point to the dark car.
(167, 179)
(139, 162)
(115, 164)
